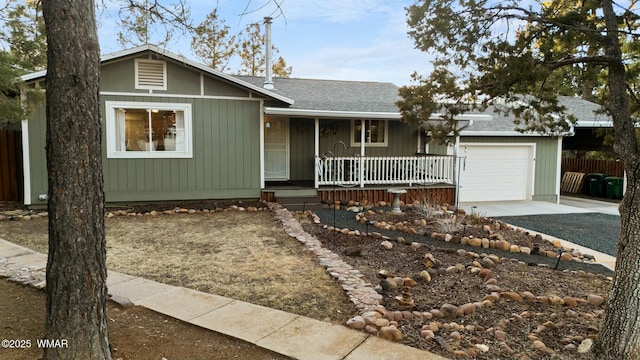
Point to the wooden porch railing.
(374, 170)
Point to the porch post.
(419, 150)
(363, 134)
(316, 150)
(456, 169)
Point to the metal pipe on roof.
(268, 77)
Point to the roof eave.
(331, 113)
(507, 133)
(178, 58)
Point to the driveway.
(568, 205)
(588, 223)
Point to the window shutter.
(151, 74)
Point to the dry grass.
(245, 256)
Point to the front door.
(276, 149)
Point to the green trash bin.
(614, 187)
(596, 185)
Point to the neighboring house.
(174, 129)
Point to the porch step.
(299, 203)
(292, 193)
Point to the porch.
(358, 178)
(362, 171)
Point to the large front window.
(375, 132)
(148, 130)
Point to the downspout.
(268, 77)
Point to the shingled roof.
(588, 114)
(334, 95)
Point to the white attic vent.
(151, 74)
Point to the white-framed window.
(138, 130)
(376, 132)
(150, 74)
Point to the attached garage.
(497, 171)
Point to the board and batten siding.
(119, 76)
(546, 161)
(225, 163)
(37, 155)
(402, 140)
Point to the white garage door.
(495, 172)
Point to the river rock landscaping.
(438, 279)
(461, 285)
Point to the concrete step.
(300, 203)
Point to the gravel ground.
(346, 219)
(593, 230)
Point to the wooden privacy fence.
(11, 172)
(589, 166)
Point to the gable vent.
(151, 74)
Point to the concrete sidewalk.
(289, 334)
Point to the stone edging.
(375, 319)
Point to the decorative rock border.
(374, 318)
(384, 323)
(492, 240)
(28, 215)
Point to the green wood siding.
(215, 87)
(225, 163)
(181, 80)
(37, 155)
(402, 140)
(118, 76)
(546, 161)
(301, 149)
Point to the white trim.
(332, 114)
(111, 141)
(262, 180)
(462, 117)
(179, 59)
(503, 133)
(137, 85)
(353, 143)
(316, 148)
(181, 96)
(26, 163)
(363, 136)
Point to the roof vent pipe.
(268, 77)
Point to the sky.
(362, 40)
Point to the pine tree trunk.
(619, 336)
(76, 270)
